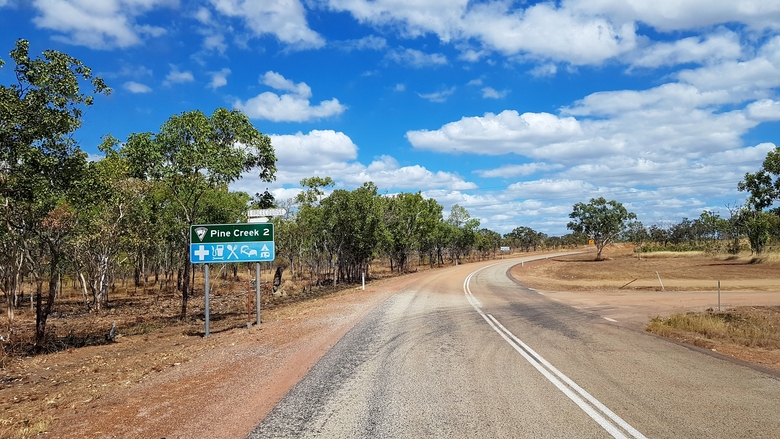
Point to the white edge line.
(527, 352)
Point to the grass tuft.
(744, 326)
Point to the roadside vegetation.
(750, 327)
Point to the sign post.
(226, 243)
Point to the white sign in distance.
(505, 249)
(252, 213)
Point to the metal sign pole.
(206, 276)
(257, 288)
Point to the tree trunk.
(185, 290)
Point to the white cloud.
(370, 42)
(287, 108)
(98, 25)
(675, 15)
(219, 79)
(279, 82)
(498, 134)
(317, 149)
(415, 58)
(517, 170)
(764, 110)
(386, 173)
(542, 30)
(439, 96)
(135, 87)
(177, 77)
(491, 93)
(704, 49)
(293, 107)
(544, 70)
(215, 42)
(285, 19)
(333, 154)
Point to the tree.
(40, 163)
(194, 153)
(601, 220)
(759, 227)
(764, 184)
(525, 238)
(463, 234)
(409, 220)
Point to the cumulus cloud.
(764, 110)
(105, 24)
(333, 154)
(135, 87)
(318, 148)
(542, 30)
(284, 19)
(178, 77)
(291, 107)
(495, 134)
(387, 173)
(492, 93)
(700, 49)
(517, 170)
(219, 79)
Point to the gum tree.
(601, 220)
(194, 153)
(40, 163)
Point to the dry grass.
(672, 255)
(750, 327)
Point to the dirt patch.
(161, 378)
(630, 291)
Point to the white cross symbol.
(201, 252)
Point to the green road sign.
(239, 232)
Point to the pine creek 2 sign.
(225, 243)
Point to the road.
(466, 352)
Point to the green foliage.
(600, 220)
(525, 238)
(40, 166)
(194, 154)
(764, 184)
(409, 221)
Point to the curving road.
(466, 352)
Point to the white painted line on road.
(610, 320)
(556, 377)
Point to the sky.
(515, 110)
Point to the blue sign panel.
(222, 253)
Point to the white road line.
(590, 405)
(609, 320)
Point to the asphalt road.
(468, 353)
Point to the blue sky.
(514, 110)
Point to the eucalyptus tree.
(40, 162)
(409, 221)
(105, 196)
(463, 231)
(488, 242)
(601, 220)
(353, 225)
(194, 153)
(525, 238)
